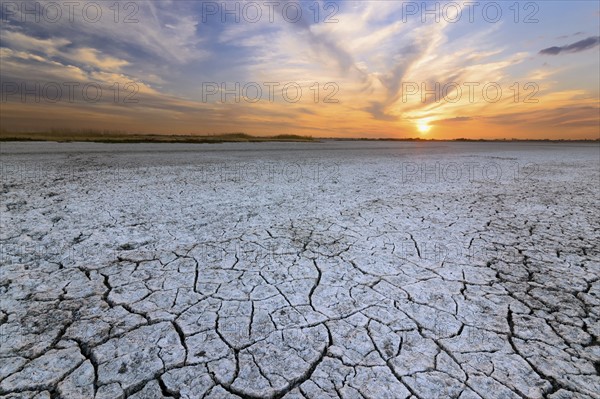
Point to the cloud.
(18, 40)
(27, 47)
(568, 36)
(451, 120)
(91, 57)
(574, 115)
(576, 47)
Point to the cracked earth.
(314, 270)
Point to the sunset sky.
(369, 60)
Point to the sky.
(442, 70)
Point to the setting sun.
(423, 127)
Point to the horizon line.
(90, 135)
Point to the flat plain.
(300, 270)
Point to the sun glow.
(423, 127)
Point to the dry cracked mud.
(314, 270)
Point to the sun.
(423, 127)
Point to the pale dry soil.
(300, 270)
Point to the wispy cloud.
(576, 47)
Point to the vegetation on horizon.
(113, 136)
(124, 137)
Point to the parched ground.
(300, 270)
